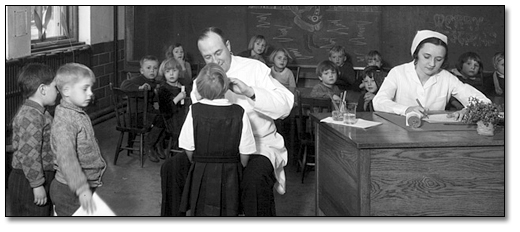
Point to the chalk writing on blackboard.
(282, 36)
(360, 36)
(262, 19)
(466, 30)
(338, 27)
(298, 55)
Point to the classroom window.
(53, 27)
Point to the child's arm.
(132, 85)
(243, 159)
(190, 155)
(29, 133)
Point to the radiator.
(54, 58)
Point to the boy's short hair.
(338, 49)
(147, 57)
(32, 76)
(254, 39)
(373, 54)
(212, 82)
(273, 54)
(497, 58)
(167, 64)
(71, 73)
(469, 56)
(324, 66)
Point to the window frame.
(57, 42)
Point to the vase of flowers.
(485, 115)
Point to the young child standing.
(171, 95)
(147, 79)
(77, 160)
(212, 187)
(256, 48)
(33, 171)
(346, 76)
(371, 82)
(176, 51)
(327, 73)
(280, 57)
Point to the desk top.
(389, 135)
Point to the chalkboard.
(308, 32)
(480, 29)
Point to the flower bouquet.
(485, 115)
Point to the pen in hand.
(424, 110)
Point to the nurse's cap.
(425, 34)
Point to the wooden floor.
(134, 191)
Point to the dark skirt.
(21, 197)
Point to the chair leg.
(141, 149)
(169, 149)
(118, 148)
(304, 162)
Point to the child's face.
(374, 61)
(51, 92)
(501, 68)
(149, 69)
(470, 68)
(80, 93)
(328, 77)
(259, 46)
(171, 75)
(178, 53)
(337, 58)
(280, 60)
(370, 84)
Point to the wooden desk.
(386, 170)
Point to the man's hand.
(239, 87)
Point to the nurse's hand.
(458, 115)
(239, 87)
(418, 110)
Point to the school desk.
(389, 171)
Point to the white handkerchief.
(361, 123)
(102, 208)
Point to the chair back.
(130, 108)
(306, 106)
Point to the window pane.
(52, 24)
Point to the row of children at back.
(468, 69)
(56, 161)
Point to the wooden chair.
(172, 127)
(305, 128)
(130, 119)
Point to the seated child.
(213, 183)
(78, 161)
(279, 58)
(327, 88)
(345, 71)
(256, 48)
(495, 84)
(149, 68)
(374, 58)
(176, 51)
(468, 70)
(30, 179)
(373, 78)
(171, 96)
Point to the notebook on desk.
(438, 125)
